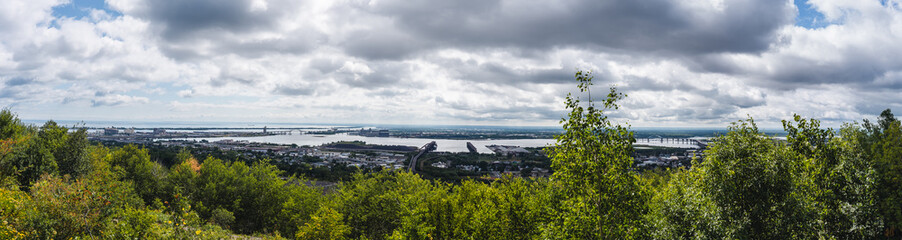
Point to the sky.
(701, 63)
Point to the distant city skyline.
(430, 62)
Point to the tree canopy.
(816, 183)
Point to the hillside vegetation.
(817, 184)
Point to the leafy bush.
(13, 206)
(324, 224)
(222, 217)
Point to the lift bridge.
(675, 141)
(283, 131)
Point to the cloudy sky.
(479, 62)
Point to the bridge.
(672, 141)
(282, 131)
(431, 146)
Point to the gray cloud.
(17, 81)
(195, 29)
(500, 74)
(108, 98)
(643, 26)
(475, 60)
(791, 72)
(720, 95)
(182, 19)
(325, 65)
(188, 49)
(295, 90)
(494, 114)
(889, 80)
(680, 109)
(21, 88)
(498, 109)
(380, 74)
(389, 92)
(384, 44)
(637, 83)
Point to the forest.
(818, 183)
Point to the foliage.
(838, 179)
(372, 206)
(680, 210)
(813, 185)
(258, 199)
(325, 224)
(72, 156)
(222, 217)
(27, 161)
(62, 210)
(752, 183)
(603, 197)
(886, 150)
(816, 184)
(131, 223)
(132, 164)
(13, 207)
(10, 125)
(26, 155)
(401, 205)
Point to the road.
(425, 149)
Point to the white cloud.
(118, 99)
(470, 62)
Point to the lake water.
(443, 145)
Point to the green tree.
(72, 156)
(874, 132)
(752, 186)
(752, 182)
(839, 181)
(325, 224)
(28, 160)
(591, 160)
(25, 153)
(222, 217)
(373, 205)
(53, 136)
(13, 213)
(887, 153)
(887, 119)
(65, 210)
(257, 196)
(132, 163)
(10, 125)
(680, 209)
